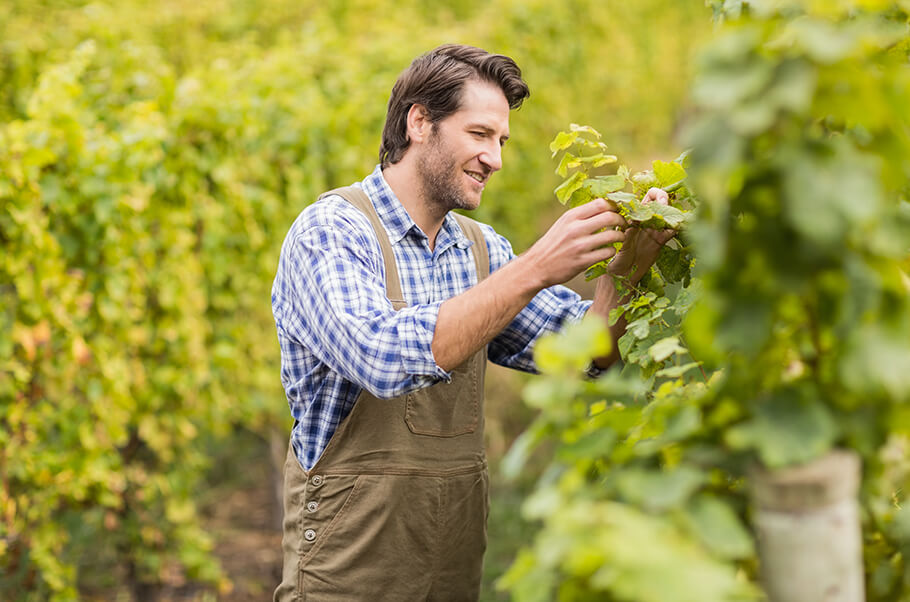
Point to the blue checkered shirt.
(337, 330)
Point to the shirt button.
(316, 480)
(309, 535)
(311, 506)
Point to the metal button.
(316, 480)
(309, 535)
(311, 506)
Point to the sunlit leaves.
(591, 541)
(565, 190)
(800, 156)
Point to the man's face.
(465, 148)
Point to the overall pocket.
(449, 409)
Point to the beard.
(440, 179)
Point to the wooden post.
(808, 530)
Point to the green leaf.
(622, 197)
(876, 360)
(573, 349)
(668, 173)
(513, 462)
(674, 264)
(625, 344)
(682, 423)
(657, 491)
(587, 129)
(615, 314)
(598, 160)
(564, 191)
(563, 141)
(603, 185)
(718, 527)
(594, 444)
(639, 328)
(677, 371)
(596, 271)
(664, 348)
(669, 215)
(568, 162)
(580, 197)
(683, 158)
(786, 429)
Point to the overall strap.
(472, 230)
(357, 197)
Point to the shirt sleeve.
(549, 311)
(329, 296)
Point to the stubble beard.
(440, 179)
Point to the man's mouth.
(479, 177)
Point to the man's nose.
(492, 157)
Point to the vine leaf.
(658, 491)
(718, 527)
(786, 429)
(668, 173)
(604, 185)
(564, 191)
(664, 348)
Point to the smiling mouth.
(478, 177)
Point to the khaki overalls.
(396, 507)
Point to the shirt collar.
(398, 223)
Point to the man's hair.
(435, 80)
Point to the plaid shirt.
(337, 330)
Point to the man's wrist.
(531, 276)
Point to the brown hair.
(435, 80)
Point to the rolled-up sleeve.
(329, 296)
(549, 311)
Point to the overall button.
(316, 480)
(309, 535)
(311, 506)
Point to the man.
(387, 307)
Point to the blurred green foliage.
(152, 157)
(798, 311)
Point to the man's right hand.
(575, 241)
(470, 320)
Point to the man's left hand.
(640, 249)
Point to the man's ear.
(418, 123)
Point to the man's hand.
(641, 247)
(579, 238)
(575, 241)
(638, 253)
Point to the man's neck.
(402, 179)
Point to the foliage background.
(800, 162)
(152, 156)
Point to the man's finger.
(607, 219)
(607, 237)
(592, 208)
(601, 254)
(657, 194)
(589, 209)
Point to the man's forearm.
(472, 319)
(607, 298)
(580, 237)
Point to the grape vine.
(795, 305)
